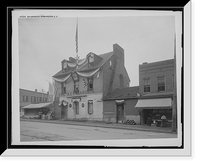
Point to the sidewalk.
(104, 125)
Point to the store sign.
(78, 93)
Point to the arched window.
(121, 81)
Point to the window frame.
(88, 83)
(25, 98)
(145, 86)
(90, 102)
(164, 81)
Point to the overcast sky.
(45, 42)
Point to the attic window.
(91, 58)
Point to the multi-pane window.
(33, 99)
(90, 107)
(161, 83)
(76, 107)
(25, 98)
(147, 85)
(90, 84)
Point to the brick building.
(156, 85)
(81, 84)
(119, 106)
(31, 97)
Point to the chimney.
(118, 52)
(35, 90)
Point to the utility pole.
(174, 108)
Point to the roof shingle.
(123, 93)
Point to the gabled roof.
(84, 67)
(123, 93)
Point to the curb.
(80, 123)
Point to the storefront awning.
(150, 103)
(35, 106)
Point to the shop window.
(161, 83)
(147, 85)
(90, 84)
(90, 107)
(76, 107)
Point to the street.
(36, 131)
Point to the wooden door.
(120, 113)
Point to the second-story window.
(25, 98)
(76, 86)
(90, 84)
(147, 85)
(161, 83)
(63, 88)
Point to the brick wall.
(153, 71)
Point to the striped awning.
(35, 106)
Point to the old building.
(119, 106)
(156, 85)
(81, 84)
(31, 97)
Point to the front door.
(120, 113)
(64, 112)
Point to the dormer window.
(65, 65)
(91, 58)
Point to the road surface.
(36, 131)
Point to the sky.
(45, 42)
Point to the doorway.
(63, 112)
(120, 113)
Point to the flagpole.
(76, 39)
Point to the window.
(147, 85)
(90, 107)
(65, 65)
(25, 98)
(172, 81)
(44, 99)
(63, 87)
(121, 80)
(90, 84)
(39, 99)
(91, 58)
(76, 86)
(33, 99)
(161, 83)
(76, 107)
